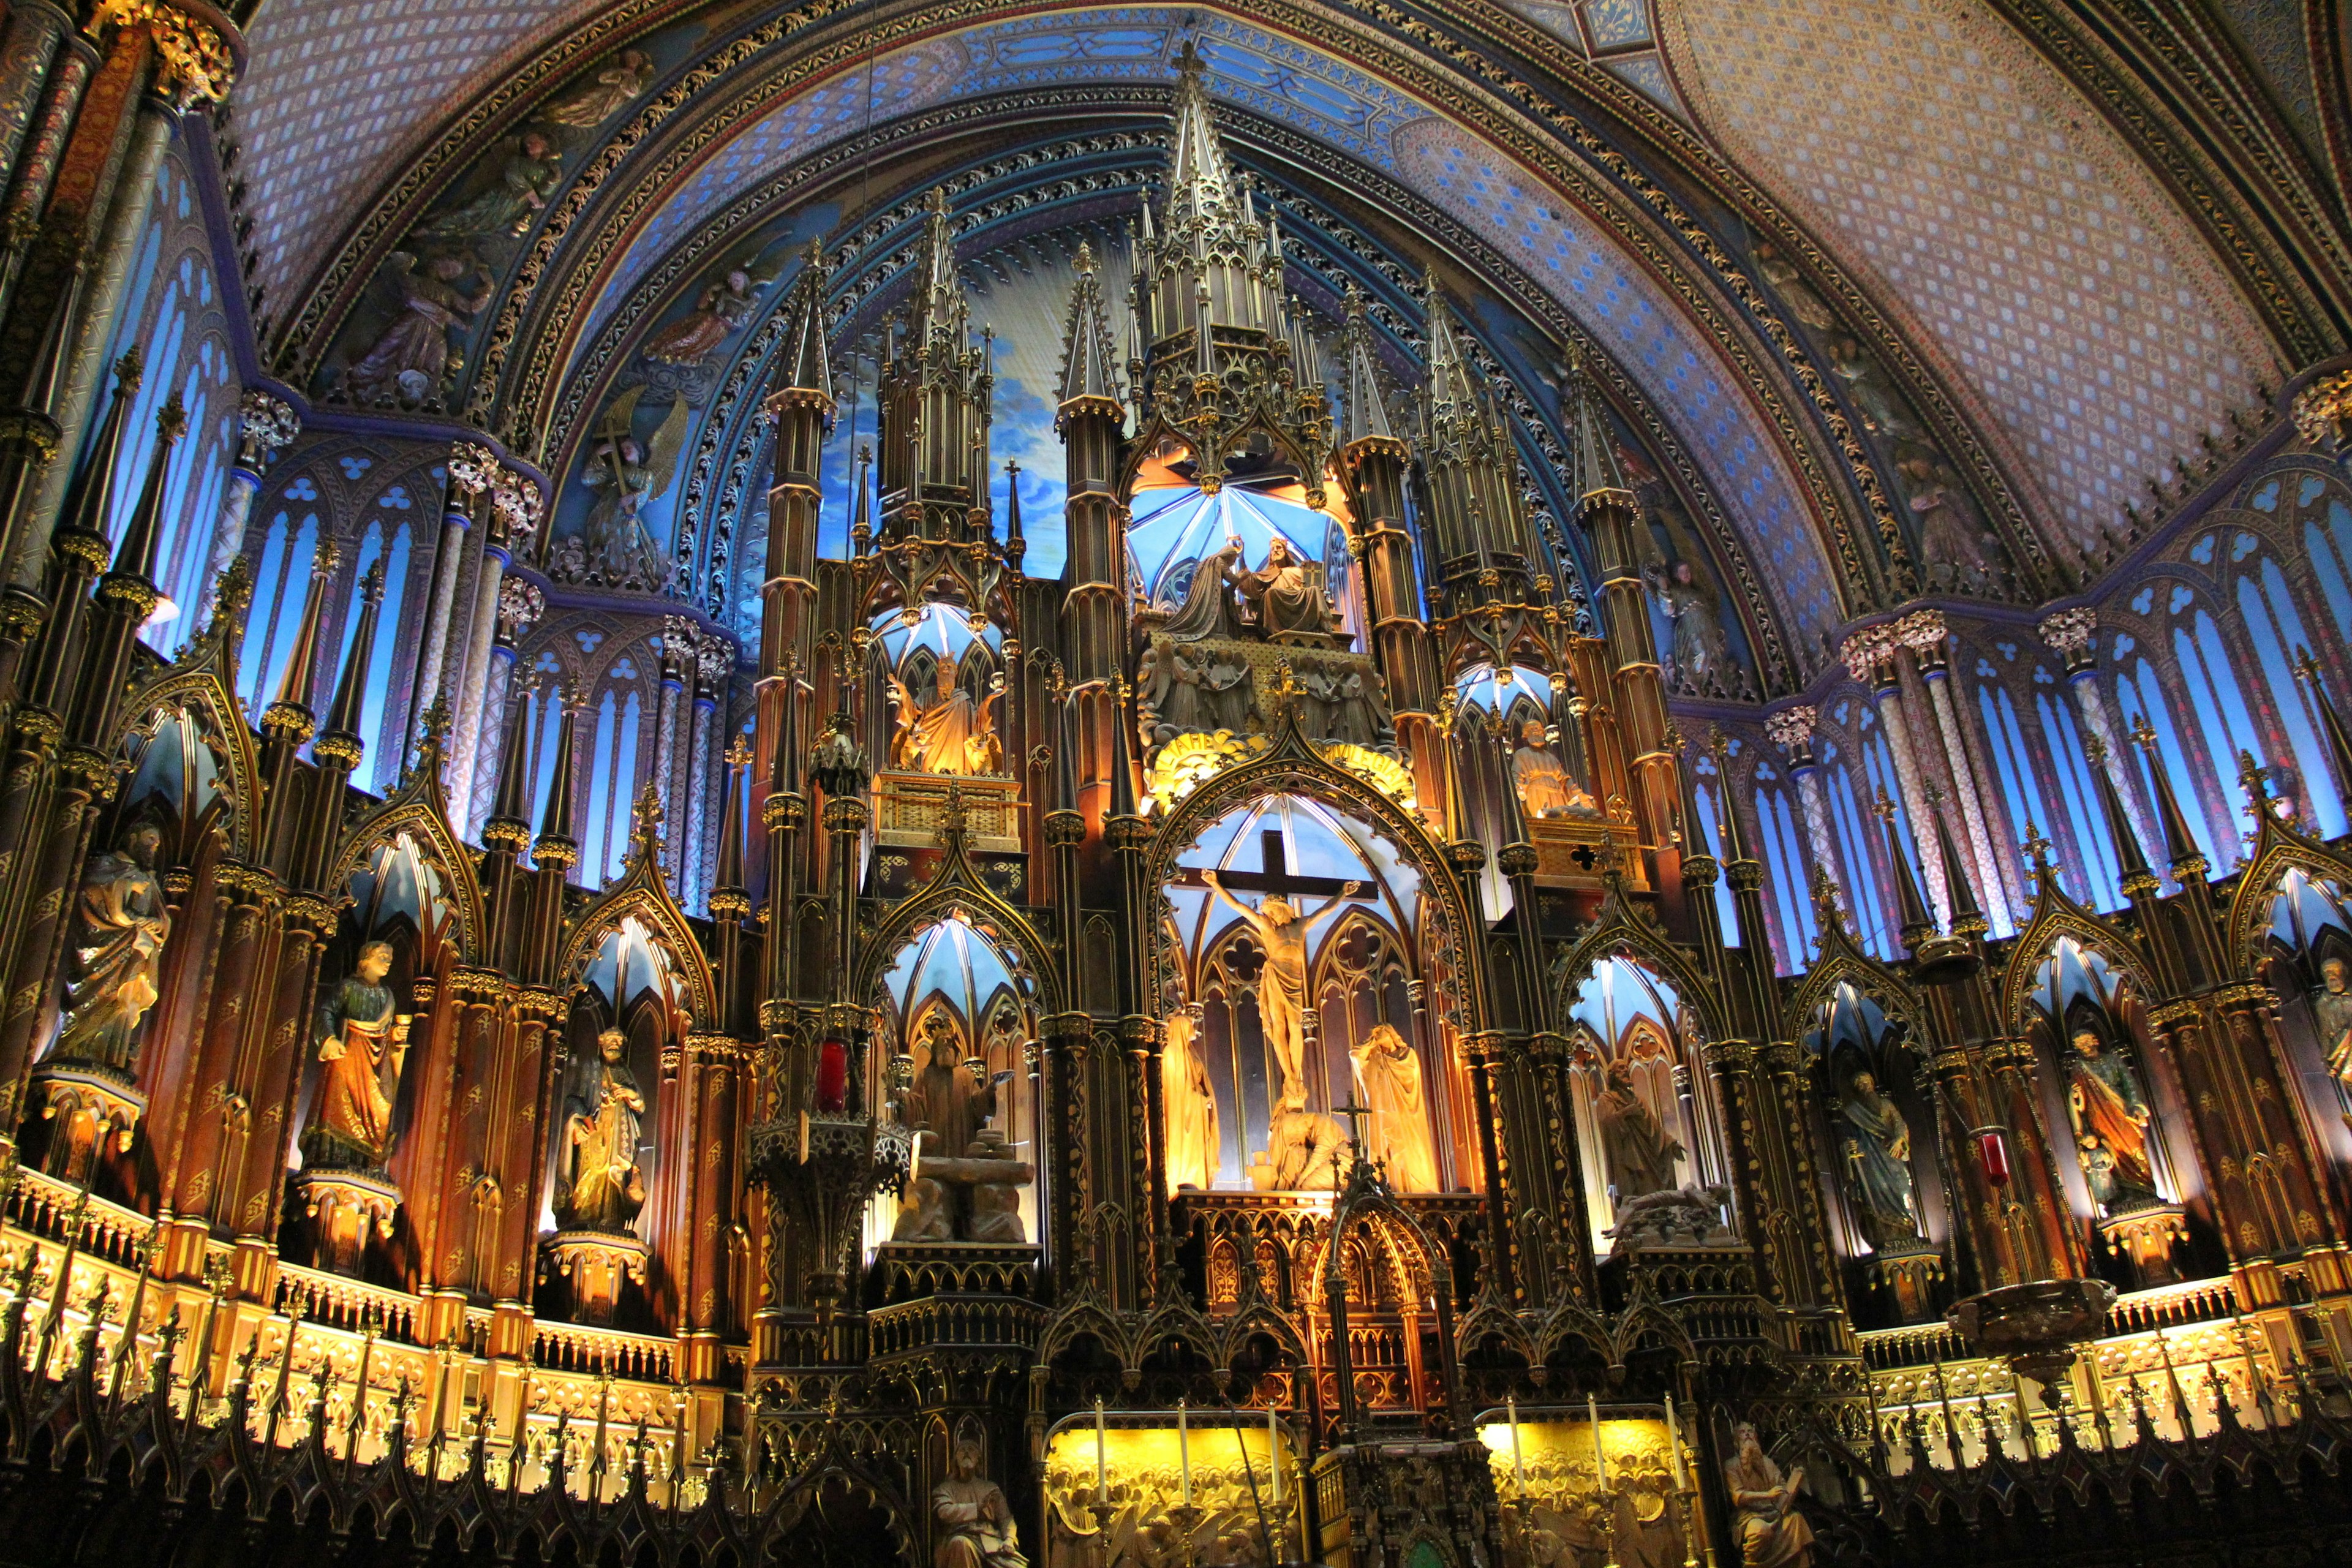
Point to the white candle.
(1102, 1467)
(1519, 1466)
(1273, 1453)
(1675, 1442)
(1600, 1459)
(1184, 1452)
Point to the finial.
(2037, 848)
(645, 821)
(739, 752)
(1883, 807)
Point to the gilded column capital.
(1728, 1055)
(2323, 411)
(2070, 632)
(193, 58)
(2172, 1014)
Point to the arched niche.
(366, 1101)
(1643, 1104)
(2306, 953)
(1260, 512)
(1293, 867)
(617, 1185)
(960, 999)
(2113, 1114)
(913, 648)
(1884, 1170)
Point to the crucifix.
(1282, 930)
(1274, 875)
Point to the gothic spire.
(1910, 909)
(1087, 352)
(86, 501)
(2130, 858)
(293, 710)
(557, 844)
(805, 366)
(1200, 181)
(2180, 848)
(134, 557)
(509, 821)
(351, 691)
(2331, 723)
(728, 872)
(1450, 393)
(1591, 443)
(1365, 407)
(941, 305)
(1967, 918)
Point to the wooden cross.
(1274, 875)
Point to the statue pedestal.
(342, 1206)
(598, 1265)
(84, 1105)
(1910, 1274)
(907, 1270)
(2145, 1237)
(974, 1197)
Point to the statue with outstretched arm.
(1282, 984)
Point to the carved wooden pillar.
(714, 1063)
(1482, 1052)
(2249, 1139)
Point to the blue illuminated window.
(2274, 628)
(2097, 870)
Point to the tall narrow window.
(2097, 870)
(1726, 909)
(1863, 902)
(2274, 628)
(2140, 695)
(282, 584)
(1784, 869)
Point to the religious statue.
(1228, 693)
(2108, 1109)
(923, 1211)
(602, 1186)
(1545, 786)
(1190, 1105)
(2331, 1008)
(1866, 384)
(1319, 697)
(1304, 1152)
(1770, 1532)
(697, 335)
(530, 176)
(1287, 598)
(410, 359)
(118, 955)
(1361, 711)
(616, 82)
(1877, 1150)
(1638, 1153)
(620, 550)
(947, 732)
(362, 1044)
(950, 1100)
(975, 1523)
(1698, 653)
(1208, 609)
(1796, 293)
(1282, 983)
(1389, 1085)
(1953, 542)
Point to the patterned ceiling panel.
(1617, 35)
(1935, 152)
(1642, 330)
(334, 90)
(1247, 65)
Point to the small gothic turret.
(1224, 362)
(1476, 518)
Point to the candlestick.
(1600, 1459)
(1273, 1453)
(1519, 1466)
(1102, 1469)
(1675, 1442)
(1184, 1452)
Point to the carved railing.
(603, 1353)
(51, 1209)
